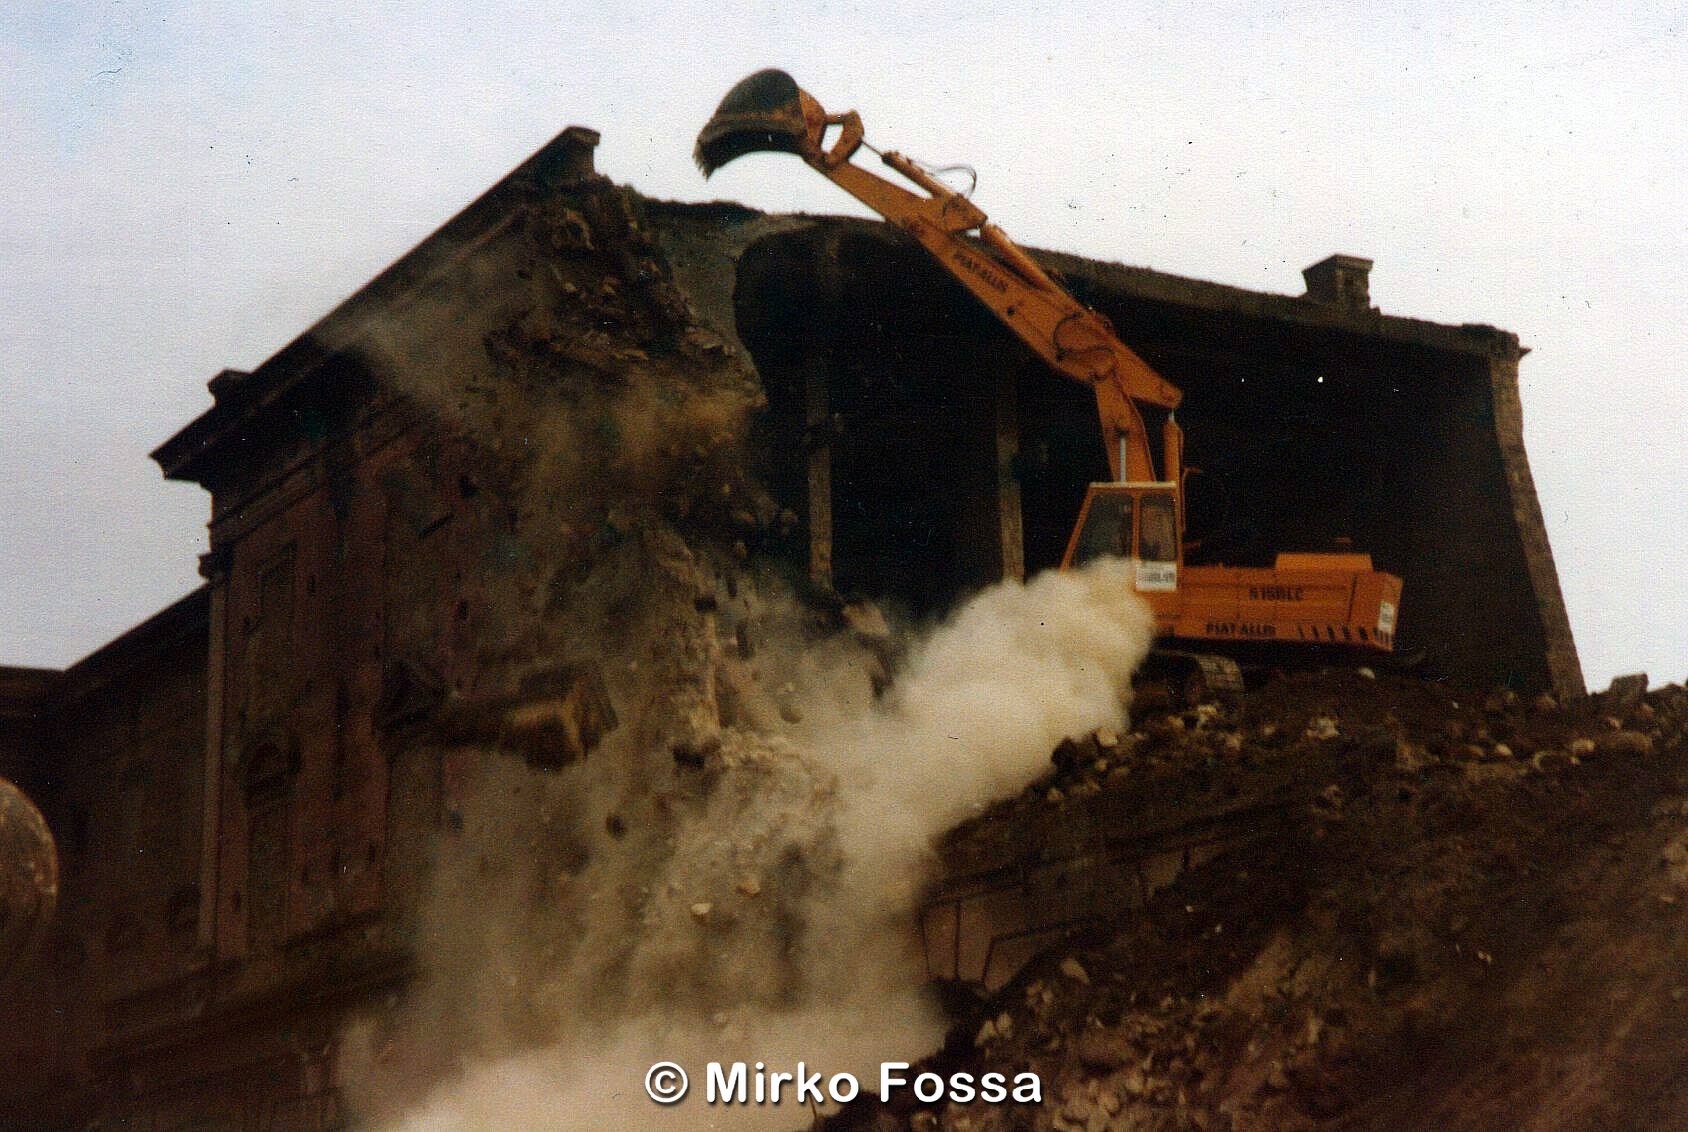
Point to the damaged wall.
(114, 760)
(1311, 422)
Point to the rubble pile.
(1474, 917)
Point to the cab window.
(1158, 540)
(1107, 528)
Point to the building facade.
(245, 789)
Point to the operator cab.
(1130, 520)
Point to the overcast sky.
(187, 186)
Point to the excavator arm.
(768, 111)
(1308, 598)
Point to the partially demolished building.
(245, 788)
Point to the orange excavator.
(1313, 598)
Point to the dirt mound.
(1474, 918)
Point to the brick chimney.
(1340, 281)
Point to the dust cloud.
(751, 898)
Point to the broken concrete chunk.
(1624, 743)
(1500, 702)
(866, 622)
(573, 715)
(1322, 727)
(1626, 691)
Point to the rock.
(1322, 727)
(1500, 701)
(1502, 751)
(1544, 704)
(1581, 748)
(1066, 754)
(1624, 743)
(750, 886)
(1104, 1050)
(1365, 673)
(1071, 968)
(701, 909)
(1107, 738)
(564, 713)
(1076, 1110)
(1625, 691)
(866, 622)
(1411, 758)
(986, 1035)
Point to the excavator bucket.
(763, 113)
